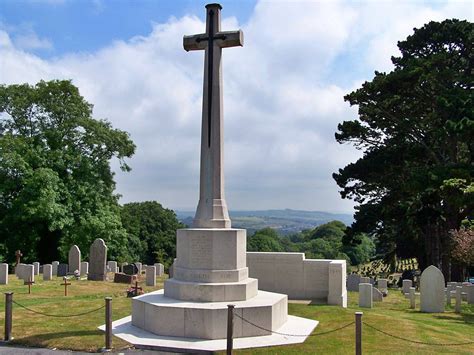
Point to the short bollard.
(108, 322)
(8, 315)
(230, 328)
(358, 321)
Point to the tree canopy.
(321, 242)
(151, 232)
(56, 184)
(414, 182)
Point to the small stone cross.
(18, 255)
(65, 284)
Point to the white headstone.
(432, 290)
(412, 298)
(151, 276)
(3, 274)
(97, 261)
(55, 267)
(112, 266)
(47, 272)
(464, 290)
(365, 295)
(29, 273)
(74, 259)
(160, 269)
(36, 266)
(457, 307)
(84, 268)
(406, 284)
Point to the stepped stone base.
(211, 292)
(161, 315)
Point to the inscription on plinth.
(201, 250)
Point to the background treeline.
(322, 242)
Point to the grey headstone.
(160, 269)
(55, 267)
(112, 265)
(377, 295)
(353, 282)
(97, 261)
(470, 294)
(432, 290)
(29, 273)
(47, 272)
(36, 266)
(3, 274)
(365, 295)
(84, 268)
(63, 269)
(406, 284)
(457, 307)
(74, 259)
(139, 266)
(150, 275)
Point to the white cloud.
(281, 105)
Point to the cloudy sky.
(283, 91)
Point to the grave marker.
(365, 295)
(55, 267)
(47, 272)
(84, 268)
(3, 274)
(150, 276)
(74, 259)
(62, 270)
(432, 290)
(97, 261)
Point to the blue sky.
(283, 90)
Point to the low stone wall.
(298, 277)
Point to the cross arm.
(230, 38)
(195, 42)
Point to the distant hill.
(284, 221)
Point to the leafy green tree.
(56, 185)
(265, 240)
(151, 232)
(416, 131)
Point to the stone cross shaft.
(212, 208)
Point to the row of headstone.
(369, 294)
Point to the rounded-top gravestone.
(97, 261)
(432, 290)
(74, 259)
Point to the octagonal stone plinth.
(161, 315)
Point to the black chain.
(293, 335)
(59, 315)
(416, 341)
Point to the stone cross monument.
(212, 209)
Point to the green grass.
(80, 333)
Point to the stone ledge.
(142, 339)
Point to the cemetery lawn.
(80, 333)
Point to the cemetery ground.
(80, 333)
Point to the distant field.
(284, 221)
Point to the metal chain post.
(108, 323)
(230, 328)
(358, 333)
(8, 315)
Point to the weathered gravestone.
(19, 270)
(84, 268)
(47, 272)
(432, 290)
(150, 275)
(63, 269)
(464, 290)
(36, 267)
(382, 285)
(406, 286)
(112, 265)
(97, 261)
(55, 267)
(130, 269)
(160, 269)
(470, 294)
(353, 281)
(457, 307)
(412, 298)
(29, 273)
(121, 266)
(139, 266)
(377, 295)
(74, 259)
(365, 295)
(3, 274)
